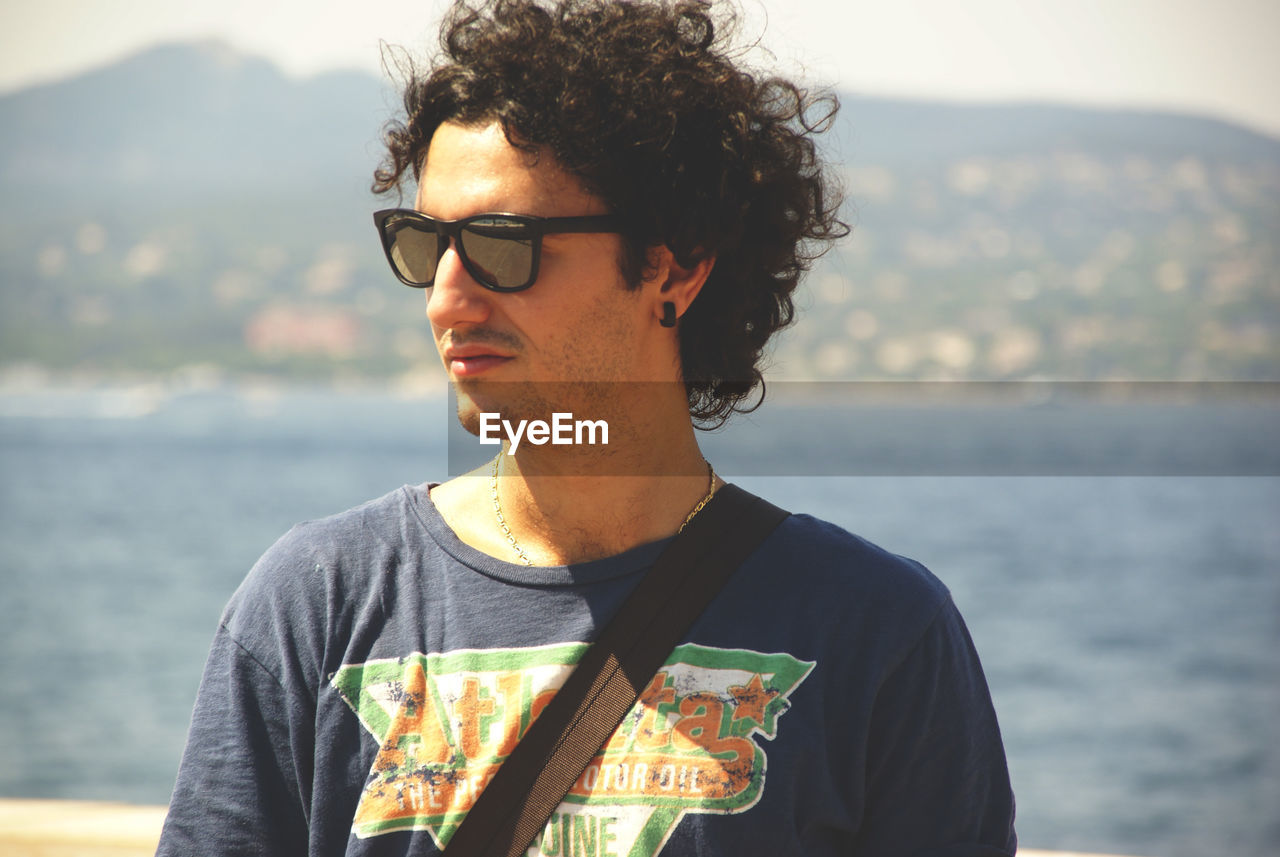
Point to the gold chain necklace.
(497, 510)
(524, 557)
(711, 490)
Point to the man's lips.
(465, 367)
(469, 361)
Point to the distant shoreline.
(428, 382)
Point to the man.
(609, 221)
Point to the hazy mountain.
(879, 130)
(201, 117)
(190, 118)
(193, 204)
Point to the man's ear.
(671, 282)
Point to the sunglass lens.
(501, 250)
(415, 251)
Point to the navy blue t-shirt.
(373, 671)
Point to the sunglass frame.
(452, 229)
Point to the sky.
(1210, 57)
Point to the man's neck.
(565, 505)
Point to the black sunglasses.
(499, 251)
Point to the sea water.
(1129, 624)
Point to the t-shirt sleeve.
(244, 785)
(937, 779)
(237, 789)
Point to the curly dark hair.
(642, 102)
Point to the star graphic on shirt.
(751, 699)
(445, 721)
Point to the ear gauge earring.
(668, 315)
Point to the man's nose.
(456, 298)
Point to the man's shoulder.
(822, 557)
(372, 522)
(828, 547)
(339, 546)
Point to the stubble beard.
(510, 400)
(537, 400)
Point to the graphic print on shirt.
(445, 722)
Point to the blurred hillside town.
(192, 213)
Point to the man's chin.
(469, 412)
(474, 400)
(470, 417)
(527, 401)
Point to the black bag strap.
(529, 785)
